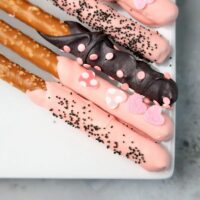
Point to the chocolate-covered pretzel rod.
(127, 32)
(83, 115)
(95, 49)
(122, 67)
(157, 127)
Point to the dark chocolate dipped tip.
(120, 65)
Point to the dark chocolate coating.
(154, 86)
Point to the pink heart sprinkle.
(136, 104)
(114, 97)
(87, 79)
(154, 115)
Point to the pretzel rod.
(35, 17)
(19, 77)
(84, 115)
(28, 48)
(123, 66)
(159, 128)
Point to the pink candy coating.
(109, 56)
(81, 47)
(141, 75)
(93, 57)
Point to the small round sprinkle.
(141, 75)
(167, 75)
(109, 56)
(125, 86)
(120, 73)
(97, 68)
(166, 101)
(81, 47)
(79, 61)
(86, 65)
(66, 48)
(93, 57)
(147, 100)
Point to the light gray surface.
(186, 180)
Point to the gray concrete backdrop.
(185, 184)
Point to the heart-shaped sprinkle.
(79, 61)
(154, 115)
(114, 97)
(93, 57)
(81, 47)
(120, 73)
(66, 48)
(136, 105)
(87, 79)
(141, 4)
(141, 75)
(109, 56)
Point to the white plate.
(35, 145)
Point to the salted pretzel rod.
(35, 17)
(84, 115)
(45, 59)
(19, 77)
